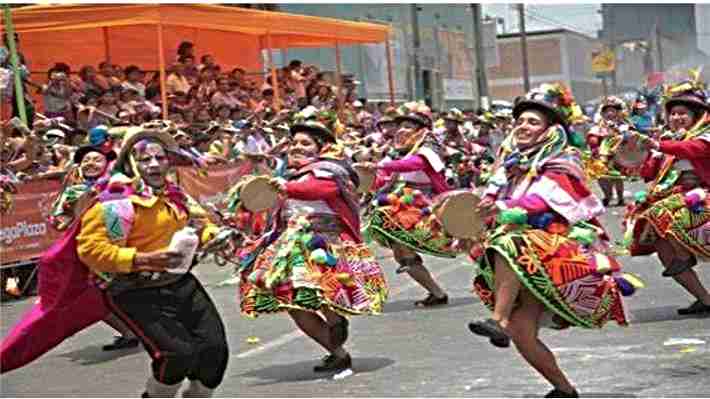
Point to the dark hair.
(183, 58)
(238, 70)
(131, 68)
(295, 64)
(204, 58)
(62, 67)
(182, 48)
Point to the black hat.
(81, 152)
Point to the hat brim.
(550, 112)
(325, 134)
(690, 102)
(81, 152)
(414, 118)
(168, 142)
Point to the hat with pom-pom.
(554, 100)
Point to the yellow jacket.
(103, 245)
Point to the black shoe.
(334, 364)
(606, 201)
(402, 269)
(121, 343)
(696, 308)
(145, 395)
(431, 300)
(339, 332)
(491, 329)
(621, 202)
(556, 393)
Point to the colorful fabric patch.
(118, 218)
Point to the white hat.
(55, 133)
(357, 104)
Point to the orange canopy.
(87, 34)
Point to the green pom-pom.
(582, 235)
(407, 199)
(640, 196)
(319, 256)
(513, 216)
(576, 140)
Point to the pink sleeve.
(411, 163)
(532, 203)
(689, 149)
(312, 189)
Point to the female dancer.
(80, 188)
(402, 220)
(673, 217)
(123, 241)
(544, 253)
(314, 264)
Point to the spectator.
(208, 86)
(190, 68)
(206, 61)
(224, 95)
(94, 83)
(134, 80)
(57, 95)
(185, 49)
(176, 80)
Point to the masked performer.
(672, 218)
(402, 219)
(313, 264)
(543, 257)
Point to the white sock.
(197, 390)
(157, 389)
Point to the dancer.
(401, 219)
(123, 242)
(314, 264)
(604, 140)
(543, 256)
(672, 218)
(80, 189)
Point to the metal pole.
(524, 47)
(107, 45)
(338, 78)
(274, 76)
(19, 93)
(161, 62)
(608, 16)
(416, 43)
(390, 78)
(481, 79)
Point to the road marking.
(286, 338)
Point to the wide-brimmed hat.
(319, 122)
(612, 102)
(455, 115)
(554, 100)
(415, 111)
(689, 93)
(81, 152)
(151, 133)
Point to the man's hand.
(157, 261)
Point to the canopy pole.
(19, 94)
(161, 61)
(338, 79)
(390, 78)
(276, 103)
(107, 45)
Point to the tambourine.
(258, 194)
(366, 176)
(630, 155)
(457, 211)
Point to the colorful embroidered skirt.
(577, 284)
(673, 218)
(404, 216)
(308, 270)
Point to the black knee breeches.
(180, 328)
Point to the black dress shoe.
(556, 393)
(331, 363)
(606, 201)
(491, 329)
(696, 308)
(431, 300)
(339, 332)
(121, 343)
(621, 202)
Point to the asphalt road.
(407, 351)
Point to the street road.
(408, 351)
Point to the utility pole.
(659, 44)
(481, 79)
(524, 47)
(416, 44)
(611, 32)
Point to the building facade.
(553, 56)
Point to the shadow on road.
(660, 313)
(303, 371)
(95, 355)
(408, 304)
(596, 395)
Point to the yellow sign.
(603, 61)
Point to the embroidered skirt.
(575, 282)
(309, 267)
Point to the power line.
(550, 21)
